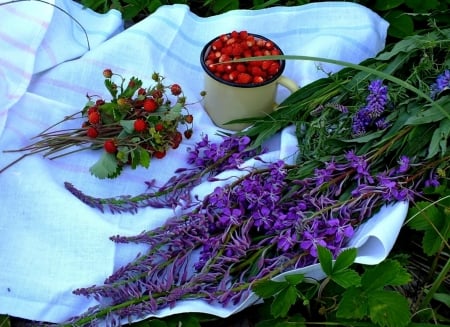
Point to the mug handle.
(288, 83)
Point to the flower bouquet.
(370, 135)
(136, 125)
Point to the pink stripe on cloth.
(12, 10)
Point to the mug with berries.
(238, 90)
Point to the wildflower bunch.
(272, 217)
(135, 126)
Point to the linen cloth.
(50, 242)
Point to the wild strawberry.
(188, 133)
(140, 125)
(110, 146)
(159, 154)
(91, 110)
(92, 132)
(175, 89)
(258, 79)
(189, 118)
(94, 117)
(150, 105)
(142, 91)
(99, 102)
(107, 73)
(244, 78)
(241, 68)
(159, 127)
(177, 138)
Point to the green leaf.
(438, 141)
(443, 298)
(325, 259)
(283, 301)
(345, 259)
(128, 125)
(384, 5)
(4, 321)
(388, 308)
(400, 24)
(144, 157)
(346, 278)
(295, 279)
(173, 113)
(422, 6)
(268, 288)
(353, 304)
(422, 213)
(432, 220)
(431, 114)
(156, 323)
(105, 167)
(388, 272)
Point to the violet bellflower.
(371, 115)
(442, 83)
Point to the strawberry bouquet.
(136, 125)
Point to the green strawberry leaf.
(106, 166)
(144, 157)
(345, 259)
(173, 113)
(325, 259)
(353, 304)
(346, 278)
(283, 301)
(388, 308)
(430, 219)
(294, 279)
(128, 125)
(268, 288)
(388, 272)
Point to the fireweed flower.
(442, 83)
(265, 222)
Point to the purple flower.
(371, 114)
(403, 165)
(442, 83)
(360, 164)
(310, 243)
(286, 240)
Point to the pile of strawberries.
(236, 45)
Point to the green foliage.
(431, 218)
(4, 321)
(365, 297)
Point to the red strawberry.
(110, 146)
(107, 73)
(94, 117)
(244, 78)
(92, 132)
(159, 127)
(140, 125)
(159, 154)
(189, 118)
(175, 89)
(150, 105)
(188, 133)
(91, 109)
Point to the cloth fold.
(52, 243)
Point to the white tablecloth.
(51, 243)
